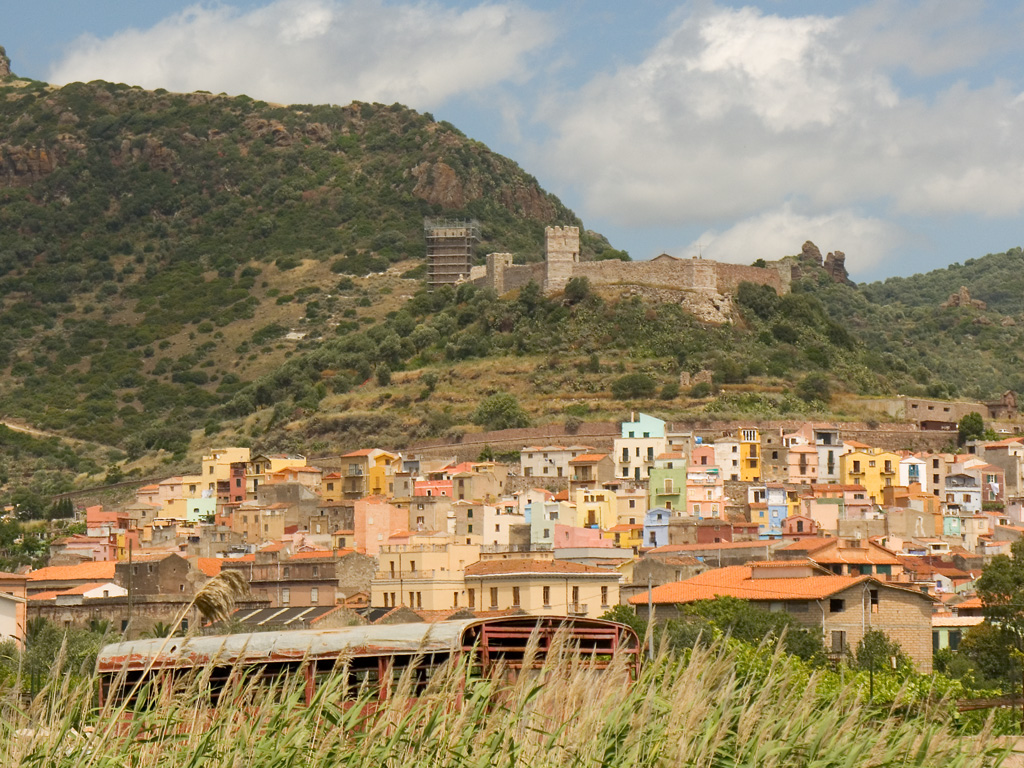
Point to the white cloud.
(772, 234)
(736, 112)
(317, 51)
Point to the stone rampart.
(683, 274)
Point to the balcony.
(577, 609)
(410, 575)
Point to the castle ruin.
(704, 287)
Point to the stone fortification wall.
(683, 274)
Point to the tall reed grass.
(704, 709)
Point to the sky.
(892, 131)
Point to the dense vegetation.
(180, 262)
(726, 702)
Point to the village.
(844, 536)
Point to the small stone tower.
(562, 256)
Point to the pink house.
(375, 521)
(567, 536)
(433, 488)
(705, 487)
(803, 464)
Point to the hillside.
(183, 269)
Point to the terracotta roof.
(736, 581)
(588, 458)
(91, 571)
(360, 452)
(9, 575)
(811, 544)
(524, 567)
(623, 527)
(321, 553)
(81, 589)
(970, 602)
(209, 566)
(668, 548)
(52, 594)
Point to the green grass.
(716, 707)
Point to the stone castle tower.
(562, 246)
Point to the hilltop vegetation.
(177, 269)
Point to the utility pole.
(650, 620)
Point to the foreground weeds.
(704, 710)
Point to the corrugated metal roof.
(293, 645)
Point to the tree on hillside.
(500, 411)
(633, 385)
(815, 387)
(971, 427)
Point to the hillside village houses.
(570, 529)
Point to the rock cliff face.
(5, 63)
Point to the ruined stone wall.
(682, 274)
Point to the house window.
(835, 605)
(287, 571)
(469, 513)
(316, 571)
(575, 597)
(494, 597)
(515, 596)
(469, 530)
(314, 596)
(547, 533)
(604, 597)
(286, 596)
(668, 485)
(547, 597)
(632, 503)
(471, 594)
(874, 601)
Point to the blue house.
(656, 526)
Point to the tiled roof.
(321, 554)
(361, 452)
(971, 602)
(811, 544)
(81, 589)
(588, 458)
(209, 566)
(523, 566)
(623, 527)
(736, 581)
(92, 571)
(668, 548)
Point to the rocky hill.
(183, 269)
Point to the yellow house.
(626, 536)
(217, 465)
(750, 454)
(873, 468)
(596, 508)
(261, 466)
(422, 571)
(368, 472)
(541, 587)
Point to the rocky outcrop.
(24, 165)
(5, 63)
(835, 266)
(962, 298)
(438, 184)
(810, 255)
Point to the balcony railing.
(577, 609)
(410, 575)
